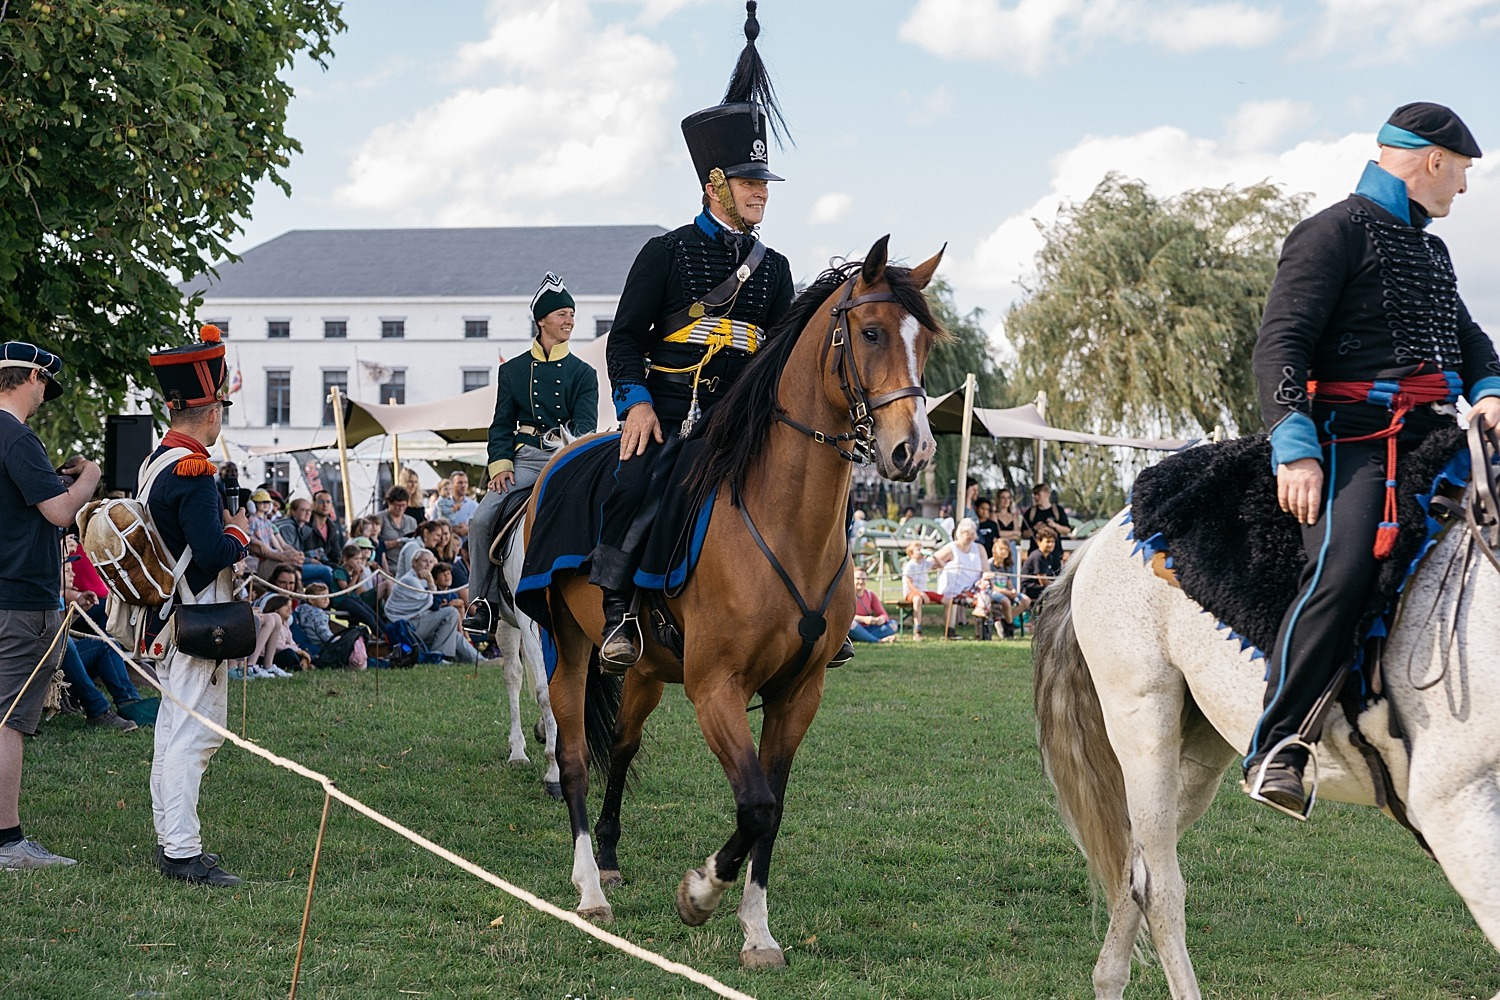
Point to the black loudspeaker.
(127, 442)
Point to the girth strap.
(813, 624)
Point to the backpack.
(122, 543)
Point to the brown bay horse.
(770, 599)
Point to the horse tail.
(601, 707)
(1076, 752)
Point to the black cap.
(194, 375)
(1438, 125)
(19, 354)
(733, 135)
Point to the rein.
(1482, 512)
(861, 406)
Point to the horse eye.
(871, 335)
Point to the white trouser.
(184, 745)
(183, 748)
(483, 574)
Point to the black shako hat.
(1438, 125)
(19, 354)
(732, 135)
(193, 376)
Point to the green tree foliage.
(970, 350)
(132, 134)
(1145, 310)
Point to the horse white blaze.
(755, 916)
(910, 328)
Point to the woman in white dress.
(963, 563)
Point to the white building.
(393, 315)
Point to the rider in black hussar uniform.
(1364, 336)
(698, 302)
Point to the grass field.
(920, 857)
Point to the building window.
(333, 377)
(476, 378)
(222, 324)
(392, 329)
(394, 389)
(335, 329)
(601, 326)
(278, 396)
(279, 475)
(278, 329)
(476, 329)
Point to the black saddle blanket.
(1236, 553)
(570, 500)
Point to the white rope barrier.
(267, 584)
(331, 789)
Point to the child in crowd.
(916, 574)
(311, 617)
(447, 595)
(276, 655)
(1043, 564)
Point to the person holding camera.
(186, 508)
(35, 501)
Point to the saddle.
(1209, 515)
(512, 516)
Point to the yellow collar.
(559, 351)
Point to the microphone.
(231, 486)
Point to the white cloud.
(1387, 30)
(577, 110)
(1264, 124)
(1169, 161)
(830, 207)
(1032, 33)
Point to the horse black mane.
(740, 424)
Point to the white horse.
(1142, 703)
(518, 643)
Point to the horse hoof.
(601, 915)
(553, 789)
(610, 877)
(763, 958)
(518, 758)
(686, 908)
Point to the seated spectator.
(412, 483)
(396, 525)
(1043, 564)
(963, 563)
(82, 584)
(436, 497)
(988, 529)
(448, 595)
(267, 548)
(311, 627)
(354, 569)
(96, 708)
(110, 671)
(871, 623)
(276, 652)
(411, 601)
(916, 574)
(1011, 601)
(287, 578)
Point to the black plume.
(752, 83)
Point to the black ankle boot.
(480, 621)
(621, 646)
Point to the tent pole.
(1041, 409)
(337, 398)
(963, 447)
(395, 459)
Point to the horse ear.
(874, 265)
(923, 272)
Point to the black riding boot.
(479, 623)
(622, 631)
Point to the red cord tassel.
(1385, 539)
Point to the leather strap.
(720, 296)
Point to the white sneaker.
(259, 673)
(274, 671)
(29, 854)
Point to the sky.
(958, 122)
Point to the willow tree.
(132, 134)
(1145, 310)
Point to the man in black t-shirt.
(35, 501)
(986, 529)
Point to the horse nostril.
(901, 455)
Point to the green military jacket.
(535, 393)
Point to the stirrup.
(629, 622)
(479, 618)
(1252, 785)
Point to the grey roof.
(418, 263)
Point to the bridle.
(861, 407)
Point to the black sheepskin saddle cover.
(1239, 555)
